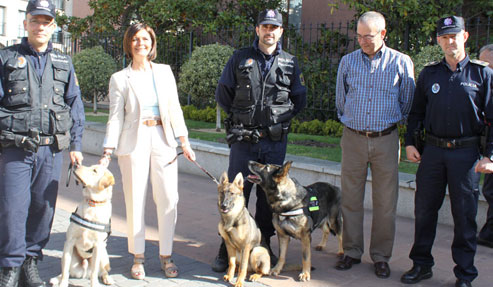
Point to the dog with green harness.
(298, 210)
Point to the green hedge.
(315, 127)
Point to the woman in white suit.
(144, 120)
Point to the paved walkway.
(196, 243)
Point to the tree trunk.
(218, 118)
(95, 103)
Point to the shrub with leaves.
(426, 55)
(94, 68)
(200, 74)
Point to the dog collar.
(293, 212)
(94, 203)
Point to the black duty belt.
(451, 143)
(385, 132)
(46, 140)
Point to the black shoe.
(9, 276)
(416, 274)
(220, 263)
(382, 269)
(29, 276)
(485, 242)
(462, 283)
(346, 263)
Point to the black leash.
(71, 169)
(197, 164)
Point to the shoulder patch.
(432, 63)
(479, 62)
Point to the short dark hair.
(130, 33)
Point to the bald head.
(486, 54)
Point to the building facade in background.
(13, 13)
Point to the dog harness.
(311, 210)
(96, 226)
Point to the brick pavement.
(196, 243)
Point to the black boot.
(9, 276)
(220, 263)
(29, 273)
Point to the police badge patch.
(435, 88)
(21, 62)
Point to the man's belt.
(452, 143)
(385, 132)
(46, 140)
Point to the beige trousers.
(150, 157)
(381, 155)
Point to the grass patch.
(321, 147)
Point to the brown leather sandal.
(137, 270)
(168, 266)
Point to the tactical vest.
(264, 103)
(30, 103)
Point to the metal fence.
(318, 47)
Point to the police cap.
(450, 25)
(269, 16)
(41, 7)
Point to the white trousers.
(151, 156)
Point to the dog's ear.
(106, 181)
(224, 178)
(239, 180)
(283, 171)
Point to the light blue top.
(372, 95)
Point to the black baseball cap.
(41, 7)
(450, 25)
(269, 16)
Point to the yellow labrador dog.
(84, 252)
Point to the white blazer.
(122, 129)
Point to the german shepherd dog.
(298, 210)
(240, 232)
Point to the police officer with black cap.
(261, 89)
(453, 100)
(41, 114)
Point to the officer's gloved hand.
(28, 143)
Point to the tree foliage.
(200, 74)
(166, 15)
(94, 68)
(416, 17)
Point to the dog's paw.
(55, 281)
(107, 280)
(227, 278)
(239, 283)
(254, 277)
(275, 271)
(304, 276)
(319, 248)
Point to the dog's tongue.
(252, 176)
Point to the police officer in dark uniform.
(485, 236)
(41, 114)
(261, 89)
(453, 100)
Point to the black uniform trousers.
(486, 232)
(265, 151)
(28, 191)
(440, 167)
